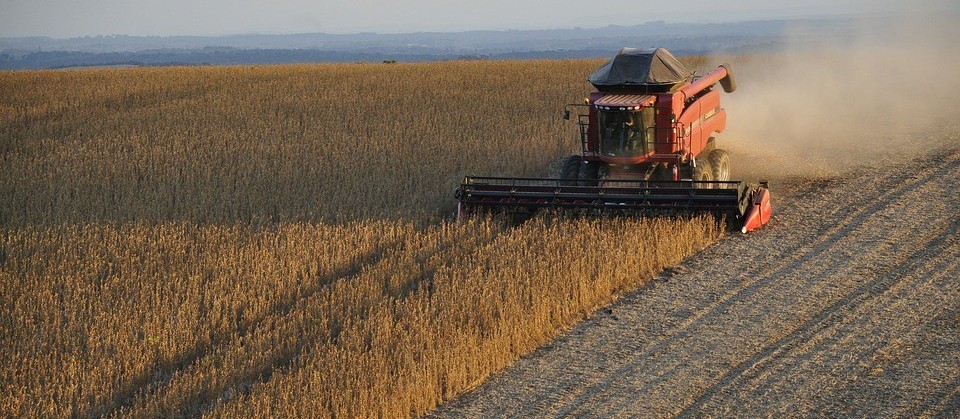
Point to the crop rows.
(266, 240)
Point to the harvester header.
(649, 146)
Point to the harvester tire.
(589, 173)
(703, 172)
(570, 171)
(720, 162)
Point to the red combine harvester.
(649, 147)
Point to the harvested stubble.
(185, 241)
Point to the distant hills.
(680, 38)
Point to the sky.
(73, 18)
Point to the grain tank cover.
(648, 70)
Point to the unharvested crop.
(286, 143)
(267, 240)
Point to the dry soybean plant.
(270, 240)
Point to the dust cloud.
(848, 97)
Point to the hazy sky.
(70, 18)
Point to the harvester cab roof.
(625, 102)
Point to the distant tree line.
(13, 59)
(64, 59)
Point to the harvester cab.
(648, 140)
(626, 131)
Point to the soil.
(848, 304)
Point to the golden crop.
(271, 240)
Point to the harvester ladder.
(583, 120)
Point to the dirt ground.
(847, 305)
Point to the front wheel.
(703, 172)
(570, 171)
(589, 173)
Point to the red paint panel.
(758, 215)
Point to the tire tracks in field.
(860, 299)
(846, 381)
(919, 261)
(824, 244)
(919, 305)
(814, 281)
(948, 406)
(877, 333)
(928, 287)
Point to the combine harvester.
(649, 147)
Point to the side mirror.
(566, 114)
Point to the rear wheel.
(720, 161)
(570, 171)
